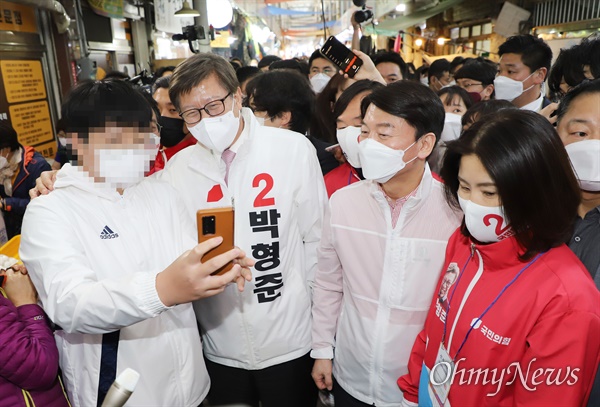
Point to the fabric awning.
(391, 26)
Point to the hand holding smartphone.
(341, 56)
(216, 222)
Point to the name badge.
(440, 378)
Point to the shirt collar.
(536, 105)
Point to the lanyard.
(488, 307)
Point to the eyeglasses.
(466, 85)
(155, 126)
(214, 108)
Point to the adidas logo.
(107, 233)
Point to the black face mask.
(171, 132)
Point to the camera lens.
(208, 225)
(363, 15)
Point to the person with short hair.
(244, 75)
(522, 300)
(456, 102)
(439, 74)
(391, 66)
(348, 121)
(173, 132)
(267, 60)
(566, 72)
(486, 107)
(114, 258)
(259, 340)
(320, 71)
(524, 64)
(578, 126)
(382, 249)
(20, 166)
(282, 98)
(477, 77)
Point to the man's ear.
(540, 76)
(488, 90)
(286, 118)
(427, 143)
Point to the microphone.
(121, 389)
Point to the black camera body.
(363, 15)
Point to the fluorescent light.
(441, 41)
(418, 42)
(401, 7)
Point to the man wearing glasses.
(259, 341)
(477, 77)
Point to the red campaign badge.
(215, 194)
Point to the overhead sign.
(107, 8)
(16, 17)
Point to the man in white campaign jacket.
(382, 251)
(101, 258)
(259, 339)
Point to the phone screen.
(340, 55)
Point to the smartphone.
(331, 148)
(212, 223)
(341, 56)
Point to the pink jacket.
(374, 284)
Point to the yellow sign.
(23, 80)
(32, 122)
(16, 17)
(48, 149)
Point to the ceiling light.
(441, 41)
(401, 7)
(187, 11)
(418, 42)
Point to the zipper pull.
(472, 248)
(232, 203)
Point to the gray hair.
(197, 68)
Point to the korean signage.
(16, 17)
(23, 101)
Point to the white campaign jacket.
(93, 256)
(278, 192)
(374, 284)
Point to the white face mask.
(63, 141)
(348, 139)
(509, 89)
(217, 133)
(122, 168)
(319, 81)
(452, 83)
(424, 81)
(486, 224)
(452, 127)
(380, 162)
(585, 157)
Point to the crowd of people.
(404, 237)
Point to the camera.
(191, 33)
(362, 15)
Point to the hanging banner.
(16, 17)
(164, 12)
(107, 8)
(24, 103)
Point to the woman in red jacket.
(28, 356)
(520, 322)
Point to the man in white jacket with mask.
(102, 251)
(382, 251)
(260, 339)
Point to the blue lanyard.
(350, 178)
(488, 307)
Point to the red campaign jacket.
(340, 177)
(165, 153)
(549, 319)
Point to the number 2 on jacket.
(261, 199)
